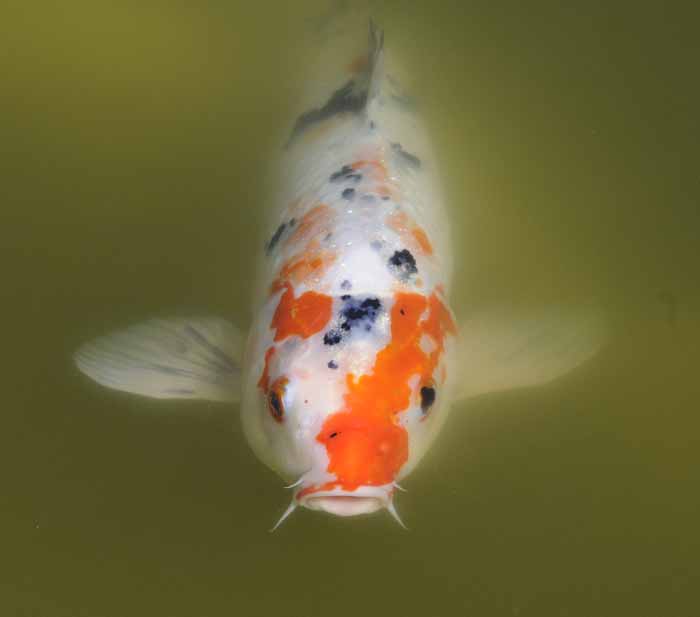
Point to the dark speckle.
(332, 337)
(427, 398)
(355, 177)
(356, 312)
(333, 435)
(332, 364)
(292, 222)
(275, 238)
(345, 171)
(403, 264)
(376, 244)
(386, 197)
(276, 405)
(411, 159)
(402, 312)
(348, 194)
(345, 297)
(346, 284)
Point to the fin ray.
(196, 357)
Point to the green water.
(135, 142)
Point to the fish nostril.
(333, 435)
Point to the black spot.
(332, 337)
(355, 177)
(402, 312)
(275, 405)
(356, 312)
(427, 398)
(386, 197)
(292, 222)
(333, 435)
(348, 194)
(344, 172)
(346, 284)
(403, 263)
(270, 246)
(332, 364)
(411, 159)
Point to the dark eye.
(427, 397)
(275, 398)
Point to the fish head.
(350, 409)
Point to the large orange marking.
(365, 443)
(302, 316)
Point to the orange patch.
(359, 64)
(412, 234)
(376, 168)
(422, 239)
(312, 262)
(311, 224)
(302, 316)
(264, 381)
(365, 443)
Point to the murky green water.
(135, 141)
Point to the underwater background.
(136, 141)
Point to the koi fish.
(354, 357)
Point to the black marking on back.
(348, 99)
(355, 313)
(351, 97)
(332, 337)
(411, 159)
(403, 264)
(272, 243)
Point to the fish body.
(354, 357)
(352, 341)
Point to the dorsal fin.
(375, 68)
(355, 94)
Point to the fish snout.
(363, 500)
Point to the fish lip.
(363, 500)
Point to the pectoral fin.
(168, 358)
(507, 349)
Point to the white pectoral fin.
(195, 357)
(509, 349)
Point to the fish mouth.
(364, 500)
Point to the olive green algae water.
(136, 140)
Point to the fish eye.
(275, 398)
(427, 397)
